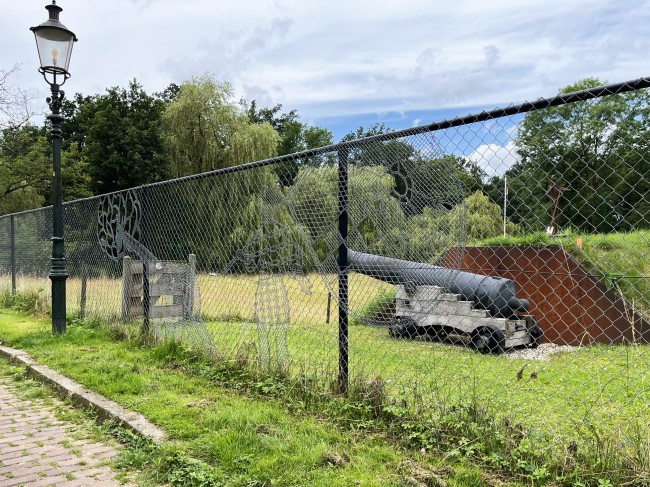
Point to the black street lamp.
(54, 42)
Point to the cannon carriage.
(440, 303)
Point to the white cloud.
(339, 58)
(495, 159)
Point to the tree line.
(126, 137)
(597, 151)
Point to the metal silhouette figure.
(276, 250)
(554, 192)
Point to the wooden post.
(127, 288)
(82, 299)
(329, 307)
(188, 312)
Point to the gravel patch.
(543, 352)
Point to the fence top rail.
(33, 210)
(561, 99)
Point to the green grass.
(244, 427)
(595, 397)
(599, 385)
(216, 436)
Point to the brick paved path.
(37, 449)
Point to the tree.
(16, 174)
(397, 156)
(314, 138)
(471, 175)
(203, 130)
(285, 124)
(168, 94)
(76, 181)
(119, 136)
(26, 170)
(76, 123)
(294, 137)
(598, 150)
(18, 147)
(423, 175)
(376, 153)
(15, 103)
(482, 218)
(376, 221)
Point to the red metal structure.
(572, 306)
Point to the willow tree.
(204, 129)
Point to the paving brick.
(53, 480)
(26, 470)
(25, 480)
(37, 449)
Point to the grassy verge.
(229, 427)
(232, 426)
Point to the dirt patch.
(334, 459)
(416, 475)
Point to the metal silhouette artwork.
(162, 291)
(118, 226)
(274, 252)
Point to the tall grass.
(34, 301)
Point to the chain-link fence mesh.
(499, 260)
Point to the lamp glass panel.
(54, 48)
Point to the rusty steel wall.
(572, 306)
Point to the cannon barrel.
(495, 294)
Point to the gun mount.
(437, 301)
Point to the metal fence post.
(146, 295)
(12, 248)
(343, 270)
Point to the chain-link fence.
(499, 259)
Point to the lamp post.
(54, 42)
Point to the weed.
(33, 302)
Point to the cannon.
(439, 302)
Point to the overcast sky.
(342, 63)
